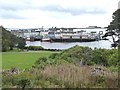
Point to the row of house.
(43, 33)
(26, 33)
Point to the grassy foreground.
(22, 60)
(61, 70)
(62, 76)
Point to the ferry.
(75, 37)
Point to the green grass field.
(22, 60)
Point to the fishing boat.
(46, 40)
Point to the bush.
(106, 57)
(74, 54)
(52, 56)
(23, 82)
(34, 48)
(41, 63)
(99, 56)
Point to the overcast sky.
(56, 13)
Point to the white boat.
(46, 39)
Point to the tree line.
(9, 41)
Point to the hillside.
(9, 40)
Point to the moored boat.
(73, 39)
(46, 40)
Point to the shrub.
(34, 48)
(40, 60)
(41, 63)
(52, 56)
(23, 82)
(105, 57)
(74, 54)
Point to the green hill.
(9, 40)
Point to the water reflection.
(48, 45)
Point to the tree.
(21, 43)
(9, 40)
(113, 29)
(5, 39)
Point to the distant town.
(57, 34)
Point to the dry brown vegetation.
(64, 76)
(75, 76)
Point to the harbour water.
(47, 45)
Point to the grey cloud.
(26, 4)
(10, 10)
(11, 16)
(15, 6)
(6, 14)
(74, 11)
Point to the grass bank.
(22, 60)
(63, 76)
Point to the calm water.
(98, 44)
(48, 45)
